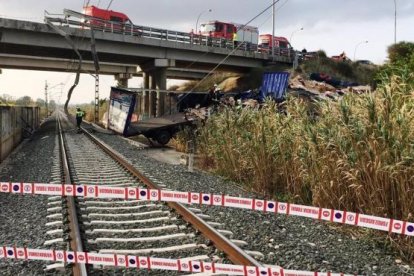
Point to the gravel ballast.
(23, 218)
(291, 242)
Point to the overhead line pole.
(110, 3)
(273, 29)
(395, 21)
(46, 104)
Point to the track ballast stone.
(291, 242)
(23, 217)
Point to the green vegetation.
(345, 70)
(356, 155)
(89, 109)
(8, 100)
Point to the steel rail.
(76, 241)
(233, 252)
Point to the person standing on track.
(79, 116)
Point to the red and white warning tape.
(267, 206)
(150, 263)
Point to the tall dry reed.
(355, 154)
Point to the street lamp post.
(198, 18)
(395, 21)
(273, 29)
(365, 41)
(291, 36)
(290, 42)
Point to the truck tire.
(163, 137)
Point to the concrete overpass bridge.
(156, 54)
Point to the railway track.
(294, 243)
(130, 227)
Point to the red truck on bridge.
(107, 15)
(110, 20)
(281, 44)
(219, 29)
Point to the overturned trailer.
(123, 119)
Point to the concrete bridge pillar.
(152, 99)
(157, 80)
(161, 84)
(145, 108)
(123, 79)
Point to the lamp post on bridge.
(395, 21)
(356, 47)
(273, 29)
(295, 62)
(291, 36)
(198, 18)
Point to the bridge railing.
(88, 22)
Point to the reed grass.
(356, 154)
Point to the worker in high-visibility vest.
(79, 115)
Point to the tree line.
(8, 100)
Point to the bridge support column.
(152, 99)
(161, 84)
(157, 71)
(145, 107)
(123, 79)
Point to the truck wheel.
(163, 137)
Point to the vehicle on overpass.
(218, 29)
(107, 15)
(281, 44)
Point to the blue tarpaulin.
(274, 85)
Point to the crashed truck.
(123, 119)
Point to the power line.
(110, 3)
(225, 58)
(270, 15)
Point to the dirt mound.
(229, 84)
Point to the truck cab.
(281, 44)
(117, 19)
(218, 29)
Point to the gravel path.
(292, 242)
(23, 218)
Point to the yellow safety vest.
(79, 114)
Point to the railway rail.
(294, 243)
(133, 227)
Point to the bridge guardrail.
(89, 22)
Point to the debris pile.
(302, 87)
(299, 82)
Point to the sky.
(330, 25)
